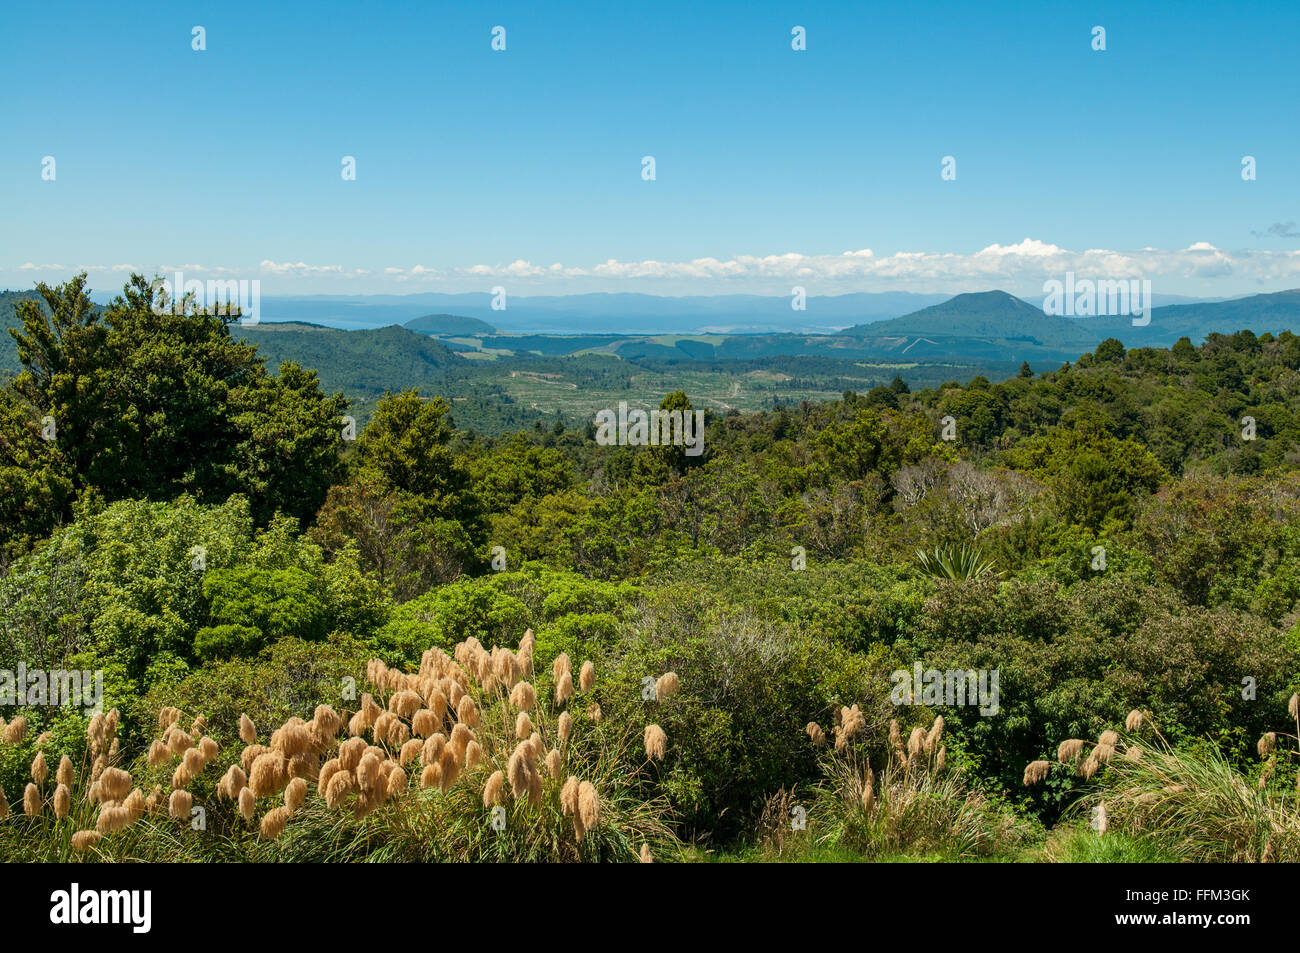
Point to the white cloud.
(1020, 267)
(297, 269)
(1026, 263)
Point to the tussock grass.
(1199, 807)
(915, 810)
(461, 761)
(1190, 800)
(915, 805)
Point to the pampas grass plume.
(410, 751)
(274, 822)
(424, 723)
(896, 739)
(268, 775)
(564, 688)
(450, 769)
(492, 790)
(666, 686)
(431, 776)
(112, 818)
(569, 796)
(350, 753)
(935, 733)
(473, 755)
(916, 743)
(1069, 750)
(852, 722)
(523, 696)
(1036, 771)
(84, 840)
(868, 796)
(16, 730)
(340, 786)
(113, 784)
(367, 772)
(656, 743)
(431, 753)
(467, 713)
(459, 740)
(62, 801)
(517, 773)
(404, 704)
(397, 782)
(251, 754)
(295, 794)
(560, 666)
(178, 742)
(588, 805)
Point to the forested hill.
(1276, 312)
(449, 325)
(362, 364)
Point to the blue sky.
(523, 168)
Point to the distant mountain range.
(983, 326)
(605, 313)
(991, 327)
(622, 313)
(1279, 311)
(595, 313)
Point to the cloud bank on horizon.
(1021, 267)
